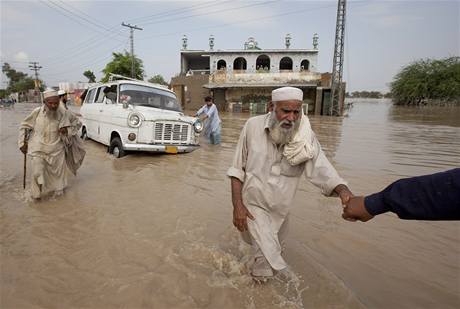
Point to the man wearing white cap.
(63, 98)
(48, 126)
(273, 152)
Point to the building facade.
(242, 80)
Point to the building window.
(286, 64)
(305, 65)
(239, 64)
(263, 63)
(221, 65)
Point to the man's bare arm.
(240, 212)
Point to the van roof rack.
(113, 76)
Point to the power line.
(70, 14)
(85, 14)
(239, 22)
(208, 13)
(79, 52)
(178, 11)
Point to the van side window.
(110, 94)
(100, 95)
(90, 96)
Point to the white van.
(130, 115)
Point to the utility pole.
(131, 37)
(35, 67)
(336, 88)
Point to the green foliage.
(90, 76)
(158, 79)
(427, 80)
(3, 93)
(365, 94)
(18, 81)
(121, 64)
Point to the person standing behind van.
(212, 126)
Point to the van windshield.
(148, 96)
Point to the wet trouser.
(282, 236)
(46, 177)
(214, 137)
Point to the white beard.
(280, 135)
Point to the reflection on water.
(154, 231)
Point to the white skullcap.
(50, 93)
(62, 92)
(287, 93)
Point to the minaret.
(287, 40)
(211, 42)
(315, 41)
(184, 42)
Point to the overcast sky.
(69, 37)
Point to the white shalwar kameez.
(46, 149)
(270, 183)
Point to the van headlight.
(198, 126)
(135, 120)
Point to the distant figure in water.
(212, 125)
(273, 152)
(429, 197)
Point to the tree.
(427, 80)
(158, 79)
(90, 76)
(121, 64)
(18, 81)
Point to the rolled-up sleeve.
(238, 167)
(322, 174)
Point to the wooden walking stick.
(26, 140)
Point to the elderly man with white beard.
(273, 152)
(49, 128)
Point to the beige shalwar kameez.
(270, 183)
(46, 149)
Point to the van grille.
(171, 132)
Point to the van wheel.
(84, 135)
(116, 148)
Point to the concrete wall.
(189, 90)
(234, 77)
(275, 57)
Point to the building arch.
(304, 65)
(263, 63)
(221, 64)
(240, 64)
(286, 63)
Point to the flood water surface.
(155, 231)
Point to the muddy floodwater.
(155, 231)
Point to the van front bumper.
(161, 148)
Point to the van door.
(100, 110)
(89, 114)
(109, 103)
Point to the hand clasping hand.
(355, 210)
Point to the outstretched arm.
(429, 197)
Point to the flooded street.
(155, 231)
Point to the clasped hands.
(354, 208)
